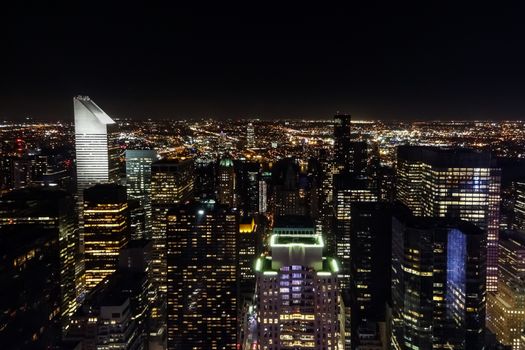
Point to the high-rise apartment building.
(298, 299)
(434, 303)
(459, 183)
(138, 182)
(106, 230)
(506, 307)
(226, 183)
(37, 267)
(202, 273)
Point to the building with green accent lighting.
(297, 295)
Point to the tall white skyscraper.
(96, 154)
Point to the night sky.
(375, 61)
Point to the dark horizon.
(404, 62)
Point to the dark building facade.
(453, 183)
(370, 264)
(37, 267)
(429, 283)
(202, 276)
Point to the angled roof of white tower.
(92, 107)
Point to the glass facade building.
(506, 307)
(454, 183)
(438, 282)
(138, 183)
(38, 249)
(106, 230)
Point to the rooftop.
(301, 240)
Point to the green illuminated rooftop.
(226, 162)
(297, 240)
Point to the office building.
(434, 304)
(346, 191)
(263, 196)
(202, 273)
(97, 156)
(459, 183)
(519, 206)
(466, 289)
(205, 179)
(293, 224)
(247, 185)
(226, 183)
(37, 267)
(171, 183)
(289, 188)
(370, 251)
(250, 135)
(297, 294)
(506, 307)
(106, 230)
(96, 152)
(247, 246)
(107, 318)
(138, 182)
(350, 155)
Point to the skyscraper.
(202, 298)
(370, 251)
(107, 318)
(346, 191)
(434, 304)
(171, 183)
(106, 230)
(459, 183)
(342, 140)
(37, 267)
(288, 190)
(96, 154)
(226, 187)
(138, 181)
(350, 155)
(519, 207)
(250, 135)
(247, 242)
(466, 289)
(247, 185)
(506, 307)
(298, 299)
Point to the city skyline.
(262, 178)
